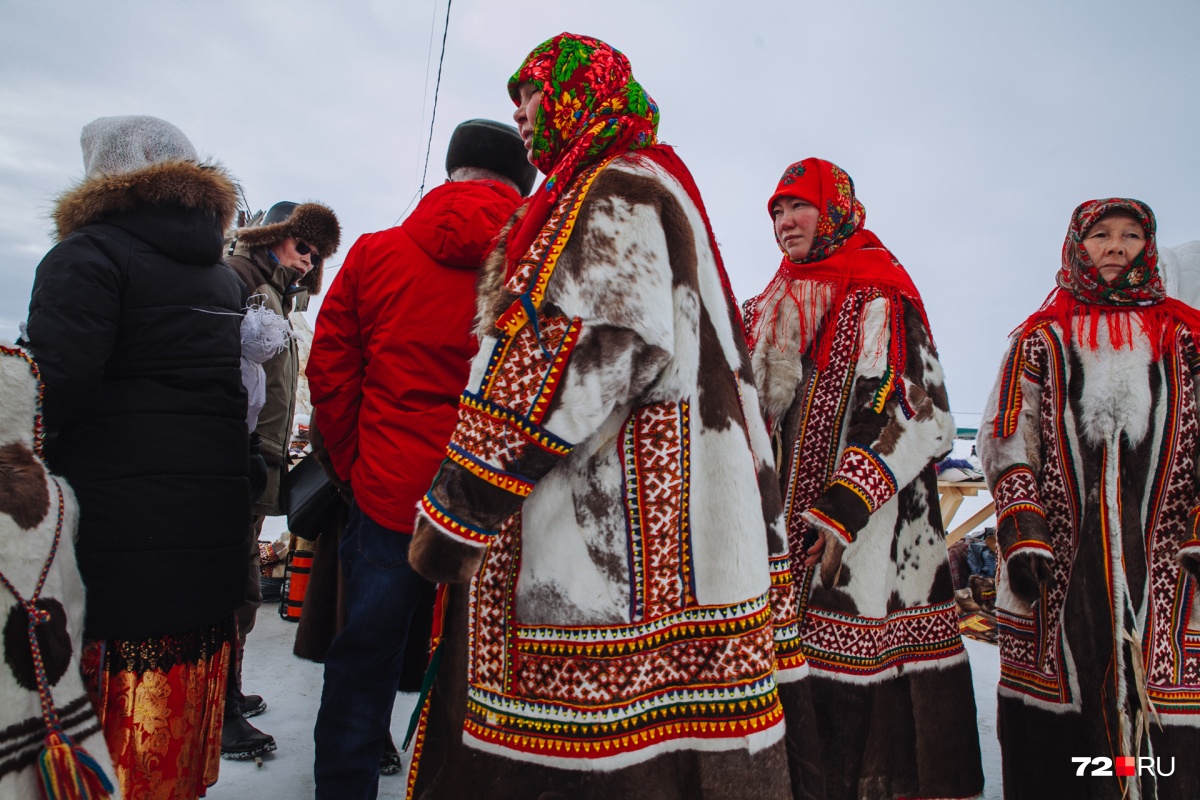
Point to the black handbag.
(312, 499)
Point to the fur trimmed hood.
(204, 187)
(315, 223)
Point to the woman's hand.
(826, 548)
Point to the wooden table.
(952, 494)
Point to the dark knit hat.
(494, 146)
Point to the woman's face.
(795, 225)
(1113, 242)
(289, 256)
(529, 97)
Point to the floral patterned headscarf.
(845, 257)
(1139, 285)
(591, 108)
(831, 190)
(590, 103)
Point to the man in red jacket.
(390, 356)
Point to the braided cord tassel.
(68, 771)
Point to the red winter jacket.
(394, 343)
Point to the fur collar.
(204, 187)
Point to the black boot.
(240, 740)
(252, 705)
(390, 763)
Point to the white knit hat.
(117, 145)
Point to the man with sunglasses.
(280, 261)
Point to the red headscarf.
(591, 108)
(1082, 296)
(844, 254)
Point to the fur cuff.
(1030, 546)
(827, 524)
(438, 555)
(450, 526)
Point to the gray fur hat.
(493, 146)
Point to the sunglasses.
(306, 249)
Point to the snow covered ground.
(292, 688)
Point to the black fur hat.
(494, 146)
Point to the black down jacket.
(135, 324)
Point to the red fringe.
(1080, 321)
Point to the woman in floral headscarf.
(1090, 445)
(854, 395)
(629, 630)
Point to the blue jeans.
(981, 560)
(363, 664)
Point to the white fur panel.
(874, 337)
(682, 372)
(759, 438)
(586, 397)
(921, 550)
(869, 562)
(626, 281)
(712, 293)
(729, 541)
(1116, 393)
(557, 531)
(479, 364)
(18, 399)
(25, 552)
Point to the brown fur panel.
(23, 492)
(313, 222)
(720, 403)
(643, 190)
(889, 739)
(919, 347)
(206, 187)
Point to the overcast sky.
(972, 129)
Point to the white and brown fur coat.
(639, 567)
(1098, 480)
(30, 509)
(891, 684)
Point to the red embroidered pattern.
(1016, 490)
(863, 472)
(492, 616)
(1173, 495)
(705, 671)
(825, 407)
(524, 370)
(789, 649)
(655, 446)
(867, 646)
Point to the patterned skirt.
(161, 702)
